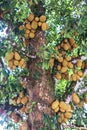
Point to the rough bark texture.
(40, 85)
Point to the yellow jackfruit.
(24, 65)
(64, 62)
(71, 40)
(64, 69)
(74, 77)
(22, 61)
(70, 65)
(68, 115)
(55, 104)
(56, 110)
(61, 117)
(58, 67)
(16, 63)
(51, 62)
(28, 26)
(32, 30)
(39, 24)
(79, 63)
(24, 100)
(42, 18)
(34, 25)
(9, 56)
(44, 26)
(75, 98)
(60, 59)
(68, 108)
(21, 27)
(63, 105)
(66, 47)
(80, 105)
(27, 31)
(80, 73)
(17, 56)
(21, 95)
(37, 19)
(65, 120)
(31, 35)
(68, 58)
(10, 64)
(62, 110)
(18, 100)
(31, 17)
(58, 75)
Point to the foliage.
(50, 122)
(79, 117)
(66, 19)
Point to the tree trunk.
(40, 83)
(40, 86)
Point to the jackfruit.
(71, 40)
(27, 31)
(51, 62)
(16, 63)
(31, 17)
(79, 63)
(28, 26)
(68, 58)
(66, 47)
(31, 35)
(68, 108)
(9, 56)
(42, 18)
(63, 105)
(21, 95)
(39, 24)
(58, 67)
(22, 61)
(64, 63)
(60, 59)
(44, 26)
(36, 19)
(17, 56)
(24, 100)
(56, 110)
(58, 75)
(21, 27)
(75, 98)
(18, 100)
(55, 104)
(10, 64)
(80, 73)
(70, 65)
(34, 25)
(68, 115)
(64, 69)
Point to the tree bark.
(39, 85)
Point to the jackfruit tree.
(43, 64)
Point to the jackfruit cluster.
(63, 110)
(32, 23)
(76, 100)
(14, 60)
(65, 62)
(22, 100)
